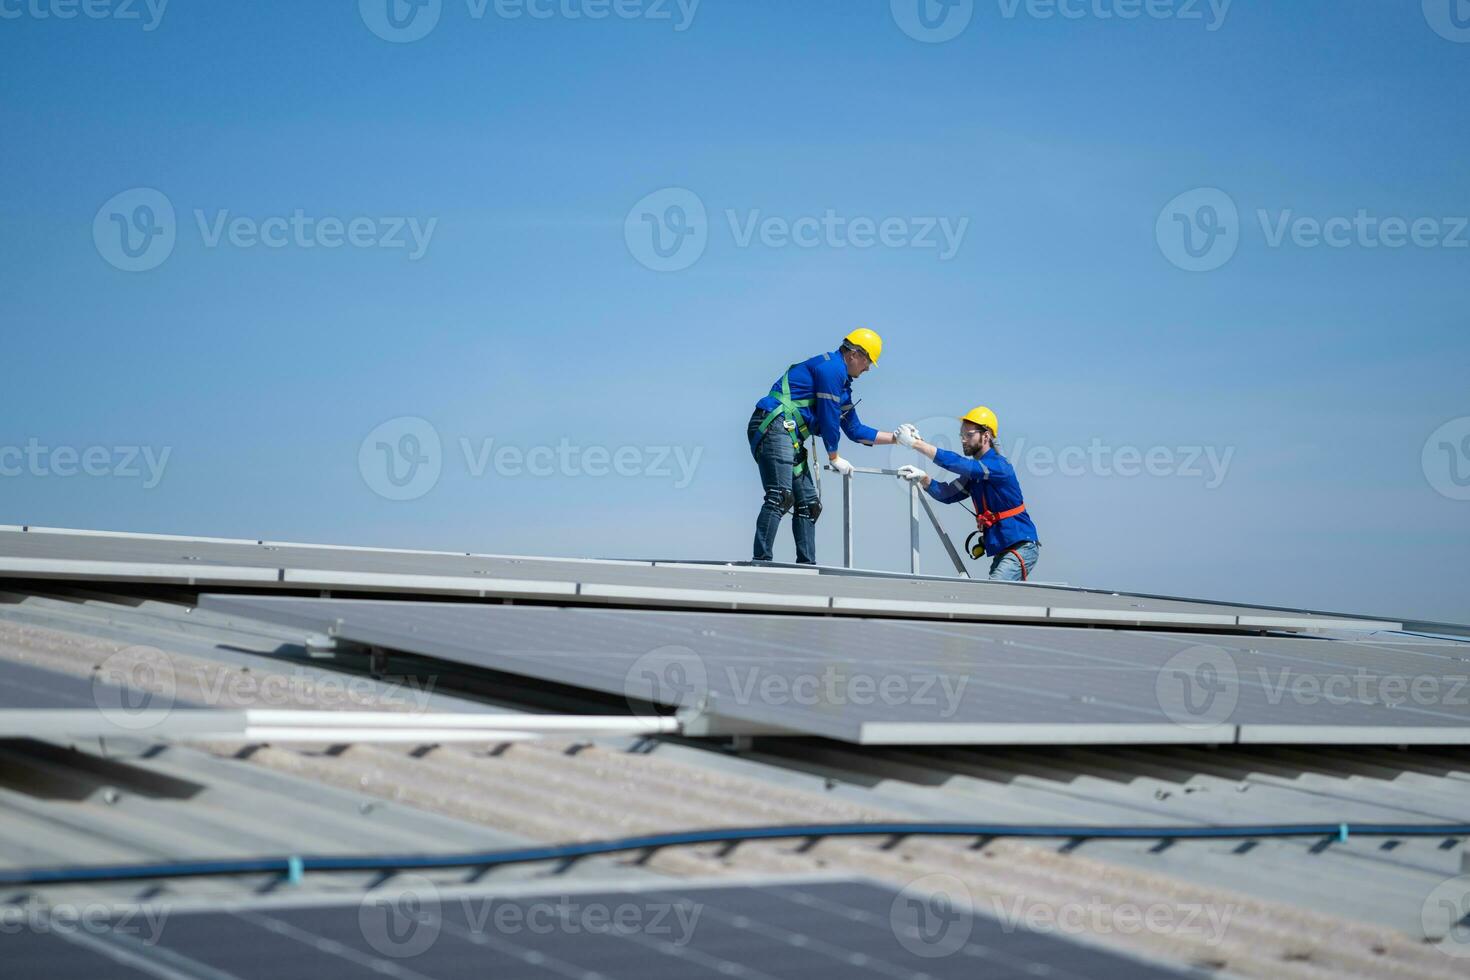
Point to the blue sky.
(1306, 403)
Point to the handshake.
(906, 435)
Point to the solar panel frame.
(981, 683)
(199, 561)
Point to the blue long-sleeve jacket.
(993, 477)
(824, 380)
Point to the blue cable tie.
(1342, 833)
(295, 870)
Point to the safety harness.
(795, 427)
(985, 518)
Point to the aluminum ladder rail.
(917, 499)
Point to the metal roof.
(1295, 908)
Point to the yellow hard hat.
(867, 341)
(981, 415)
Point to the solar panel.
(200, 561)
(876, 681)
(37, 703)
(839, 929)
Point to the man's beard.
(977, 451)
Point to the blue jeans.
(776, 456)
(1007, 568)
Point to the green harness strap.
(791, 409)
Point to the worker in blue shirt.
(1006, 533)
(812, 397)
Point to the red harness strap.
(1017, 552)
(986, 517)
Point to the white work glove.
(841, 466)
(906, 434)
(911, 473)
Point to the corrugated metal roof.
(1295, 908)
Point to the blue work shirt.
(824, 380)
(993, 475)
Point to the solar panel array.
(844, 930)
(265, 564)
(877, 681)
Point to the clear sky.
(1208, 263)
